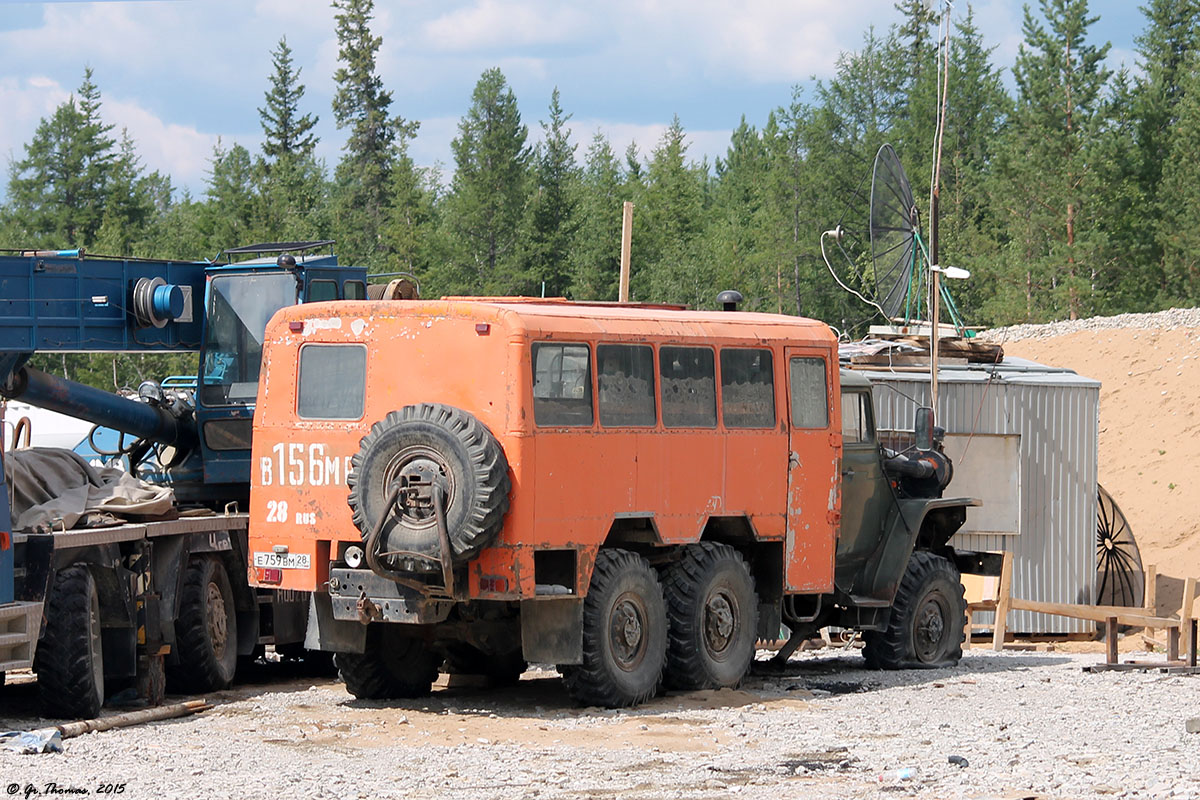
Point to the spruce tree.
(57, 191)
(1046, 178)
(286, 132)
(553, 206)
(1177, 230)
(375, 139)
(485, 212)
(596, 257)
(670, 266)
(1166, 49)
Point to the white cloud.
(25, 103)
(490, 24)
(177, 150)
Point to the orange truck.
(634, 493)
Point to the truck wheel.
(206, 629)
(502, 669)
(392, 666)
(713, 612)
(624, 634)
(424, 441)
(70, 657)
(927, 619)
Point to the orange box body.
(570, 485)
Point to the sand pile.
(1149, 425)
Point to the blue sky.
(178, 74)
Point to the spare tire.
(449, 445)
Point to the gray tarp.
(49, 484)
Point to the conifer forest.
(1068, 188)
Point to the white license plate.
(284, 561)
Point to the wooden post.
(626, 246)
(1191, 655)
(1003, 601)
(1172, 644)
(1185, 614)
(1151, 592)
(1110, 641)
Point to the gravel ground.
(1169, 319)
(1028, 725)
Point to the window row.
(631, 391)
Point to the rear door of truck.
(814, 481)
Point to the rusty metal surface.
(568, 482)
(1056, 416)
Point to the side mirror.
(923, 427)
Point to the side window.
(747, 389)
(625, 374)
(355, 290)
(810, 407)
(689, 391)
(321, 290)
(562, 384)
(333, 380)
(854, 429)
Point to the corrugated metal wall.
(1056, 415)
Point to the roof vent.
(729, 299)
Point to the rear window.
(625, 374)
(689, 393)
(810, 407)
(333, 381)
(355, 290)
(747, 389)
(562, 384)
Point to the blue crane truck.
(98, 610)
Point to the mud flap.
(333, 635)
(552, 630)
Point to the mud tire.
(713, 613)
(206, 636)
(468, 457)
(927, 619)
(392, 666)
(624, 634)
(70, 657)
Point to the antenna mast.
(943, 84)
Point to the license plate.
(282, 561)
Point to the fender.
(927, 523)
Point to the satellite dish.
(894, 228)
(888, 257)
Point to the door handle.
(847, 473)
(793, 459)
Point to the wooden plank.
(1172, 644)
(1003, 602)
(626, 245)
(1150, 601)
(1185, 614)
(1191, 653)
(1124, 616)
(1110, 641)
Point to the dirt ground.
(999, 726)
(1149, 436)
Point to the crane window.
(689, 395)
(562, 384)
(626, 379)
(747, 388)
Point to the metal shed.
(1023, 437)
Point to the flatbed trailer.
(150, 583)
